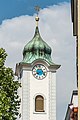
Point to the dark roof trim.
(74, 12)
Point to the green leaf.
(9, 99)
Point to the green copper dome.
(36, 49)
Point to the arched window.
(39, 103)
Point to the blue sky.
(13, 8)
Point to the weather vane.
(37, 8)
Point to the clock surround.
(39, 71)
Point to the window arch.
(39, 103)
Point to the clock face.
(39, 71)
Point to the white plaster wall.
(75, 100)
(26, 95)
(39, 87)
(20, 96)
(52, 96)
(31, 87)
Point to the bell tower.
(37, 74)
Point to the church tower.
(37, 74)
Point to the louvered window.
(39, 103)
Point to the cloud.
(56, 29)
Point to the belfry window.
(39, 103)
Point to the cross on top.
(37, 8)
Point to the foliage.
(9, 99)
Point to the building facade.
(75, 8)
(78, 59)
(37, 75)
(72, 110)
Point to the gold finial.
(37, 8)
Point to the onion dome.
(36, 48)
